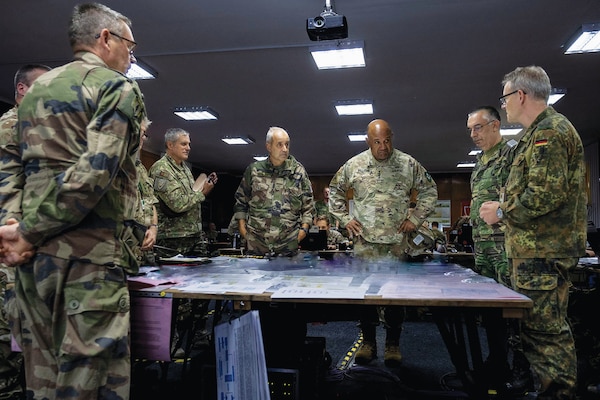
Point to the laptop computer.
(314, 241)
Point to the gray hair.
(89, 19)
(172, 134)
(533, 80)
(272, 131)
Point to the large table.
(455, 295)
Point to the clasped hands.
(14, 249)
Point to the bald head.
(379, 139)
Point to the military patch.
(541, 142)
(429, 178)
(160, 184)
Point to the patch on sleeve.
(541, 142)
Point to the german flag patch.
(541, 142)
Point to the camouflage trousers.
(546, 334)
(392, 317)
(191, 246)
(10, 361)
(72, 322)
(285, 246)
(491, 261)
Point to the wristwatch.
(499, 213)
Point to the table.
(455, 295)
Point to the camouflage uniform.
(382, 191)
(275, 202)
(334, 237)
(79, 126)
(545, 215)
(10, 206)
(145, 212)
(179, 209)
(322, 208)
(488, 177)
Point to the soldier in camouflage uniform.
(334, 238)
(487, 180)
(322, 208)
(545, 215)
(180, 217)
(179, 196)
(274, 202)
(146, 214)
(79, 129)
(382, 179)
(10, 207)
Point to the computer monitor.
(593, 238)
(314, 241)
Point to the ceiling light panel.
(344, 54)
(357, 136)
(238, 140)
(354, 107)
(138, 72)
(586, 40)
(196, 113)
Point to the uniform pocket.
(545, 316)
(97, 318)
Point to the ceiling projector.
(327, 26)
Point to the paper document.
(240, 357)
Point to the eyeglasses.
(131, 45)
(503, 98)
(479, 127)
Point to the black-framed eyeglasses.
(479, 127)
(503, 98)
(130, 46)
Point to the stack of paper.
(240, 356)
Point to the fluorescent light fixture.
(510, 131)
(196, 113)
(238, 140)
(138, 72)
(474, 152)
(260, 158)
(466, 164)
(344, 54)
(357, 136)
(556, 95)
(585, 40)
(354, 107)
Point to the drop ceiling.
(429, 62)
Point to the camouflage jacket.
(147, 199)
(179, 208)
(488, 177)
(545, 209)
(11, 170)
(381, 194)
(274, 201)
(79, 125)
(334, 237)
